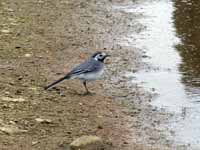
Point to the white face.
(100, 56)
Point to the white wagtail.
(89, 70)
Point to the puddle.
(159, 41)
(174, 60)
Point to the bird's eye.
(100, 55)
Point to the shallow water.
(171, 42)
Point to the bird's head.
(100, 56)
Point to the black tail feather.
(56, 82)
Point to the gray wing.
(88, 66)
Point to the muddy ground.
(42, 40)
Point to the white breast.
(91, 76)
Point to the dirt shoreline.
(41, 41)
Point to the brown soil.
(41, 41)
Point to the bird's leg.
(85, 85)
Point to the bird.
(90, 70)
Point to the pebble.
(40, 120)
(5, 31)
(9, 99)
(85, 141)
(27, 55)
(10, 129)
(34, 142)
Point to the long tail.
(56, 82)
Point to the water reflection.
(176, 70)
(187, 22)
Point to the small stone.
(27, 55)
(40, 56)
(34, 142)
(7, 92)
(10, 129)
(62, 94)
(12, 122)
(5, 31)
(100, 116)
(13, 99)
(40, 120)
(85, 141)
